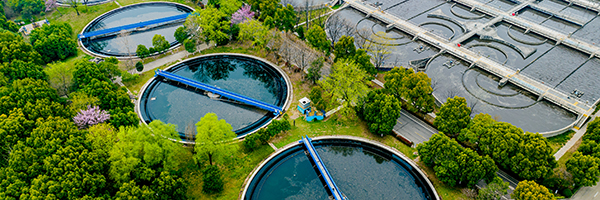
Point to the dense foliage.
(146, 164)
(454, 115)
(317, 38)
(54, 42)
(345, 49)
(54, 163)
(212, 138)
(253, 30)
(454, 164)
(263, 135)
(380, 110)
(530, 190)
(346, 81)
(414, 87)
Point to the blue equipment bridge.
(233, 96)
(117, 29)
(337, 194)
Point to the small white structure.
(29, 27)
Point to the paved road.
(413, 129)
(588, 193)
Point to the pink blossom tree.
(91, 116)
(51, 4)
(241, 15)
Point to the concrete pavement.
(413, 129)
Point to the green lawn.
(558, 141)
(235, 172)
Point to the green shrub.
(213, 181)
(567, 192)
(251, 142)
(127, 77)
(139, 66)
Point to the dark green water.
(114, 46)
(176, 104)
(360, 171)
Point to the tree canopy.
(253, 30)
(344, 48)
(54, 163)
(494, 190)
(346, 82)
(530, 190)
(146, 160)
(212, 138)
(212, 24)
(584, 169)
(12, 47)
(414, 87)
(454, 115)
(380, 111)
(318, 39)
(54, 42)
(160, 43)
(454, 164)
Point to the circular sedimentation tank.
(362, 169)
(126, 44)
(182, 105)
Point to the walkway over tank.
(233, 96)
(117, 29)
(337, 194)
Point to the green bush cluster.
(263, 135)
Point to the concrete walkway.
(170, 58)
(578, 134)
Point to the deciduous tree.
(494, 190)
(18, 69)
(478, 126)
(529, 190)
(54, 163)
(142, 51)
(380, 111)
(242, 15)
(91, 116)
(12, 47)
(253, 30)
(584, 169)
(54, 42)
(180, 35)
(453, 116)
(318, 39)
(534, 159)
(60, 77)
(160, 43)
(344, 48)
(35, 97)
(380, 47)
(454, 164)
(213, 25)
(146, 157)
(346, 82)
(213, 136)
(314, 71)
(190, 45)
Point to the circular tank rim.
(98, 2)
(339, 137)
(287, 79)
(86, 50)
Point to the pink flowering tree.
(51, 4)
(241, 15)
(91, 116)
